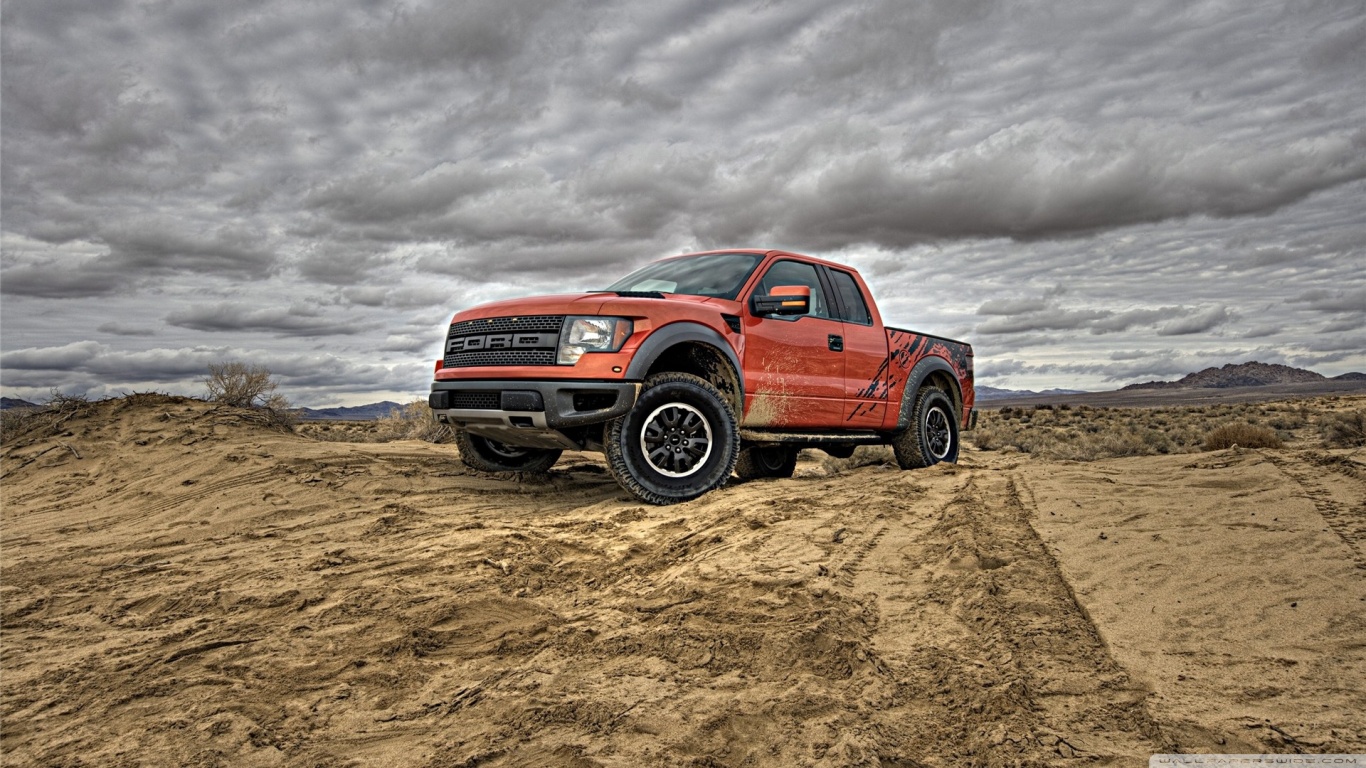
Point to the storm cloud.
(1053, 182)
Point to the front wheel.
(679, 441)
(488, 455)
(933, 434)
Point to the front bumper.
(530, 413)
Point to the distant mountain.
(1251, 374)
(353, 413)
(993, 393)
(7, 403)
(1353, 376)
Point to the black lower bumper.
(531, 404)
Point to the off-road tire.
(677, 442)
(933, 434)
(758, 461)
(487, 455)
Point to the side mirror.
(784, 300)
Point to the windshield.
(719, 275)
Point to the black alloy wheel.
(933, 434)
(677, 442)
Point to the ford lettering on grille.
(494, 341)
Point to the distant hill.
(353, 413)
(994, 393)
(7, 403)
(1352, 376)
(1250, 374)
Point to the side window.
(796, 273)
(855, 309)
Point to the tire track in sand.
(1339, 495)
(994, 661)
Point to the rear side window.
(855, 309)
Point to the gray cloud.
(1199, 322)
(1012, 306)
(1044, 320)
(89, 367)
(1177, 165)
(284, 321)
(1324, 300)
(54, 280)
(119, 329)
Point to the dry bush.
(1344, 430)
(414, 421)
(48, 418)
(239, 385)
(1243, 435)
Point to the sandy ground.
(180, 587)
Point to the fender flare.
(922, 371)
(661, 340)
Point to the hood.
(558, 304)
(599, 303)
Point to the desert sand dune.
(182, 586)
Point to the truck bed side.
(907, 348)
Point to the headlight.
(591, 334)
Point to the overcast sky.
(1093, 193)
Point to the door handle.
(836, 343)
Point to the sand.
(181, 586)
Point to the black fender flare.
(921, 371)
(661, 340)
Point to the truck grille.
(503, 341)
(512, 357)
(505, 324)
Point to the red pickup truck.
(698, 366)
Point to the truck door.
(794, 365)
(865, 354)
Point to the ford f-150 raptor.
(696, 367)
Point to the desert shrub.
(414, 421)
(1243, 435)
(48, 418)
(1344, 430)
(239, 385)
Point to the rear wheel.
(488, 455)
(766, 461)
(679, 441)
(933, 434)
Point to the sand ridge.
(188, 587)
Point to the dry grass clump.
(1087, 433)
(864, 455)
(1242, 435)
(1344, 430)
(414, 421)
